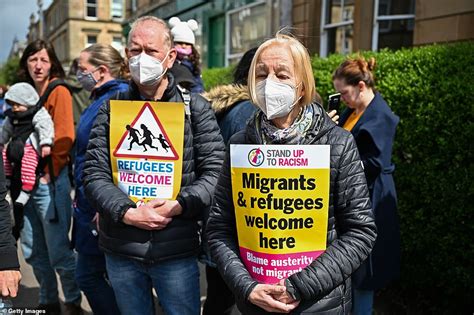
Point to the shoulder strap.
(186, 99)
(51, 86)
(49, 89)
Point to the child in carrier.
(27, 135)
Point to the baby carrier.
(22, 123)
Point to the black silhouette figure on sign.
(133, 134)
(147, 138)
(164, 144)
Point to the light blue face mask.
(87, 79)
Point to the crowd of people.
(123, 248)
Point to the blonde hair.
(106, 55)
(302, 62)
(153, 19)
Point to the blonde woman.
(100, 70)
(281, 84)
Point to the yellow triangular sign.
(145, 137)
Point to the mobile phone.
(334, 102)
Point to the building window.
(91, 9)
(117, 44)
(91, 40)
(393, 24)
(337, 27)
(116, 9)
(246, 27)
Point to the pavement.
(28, 293)
(29, 290)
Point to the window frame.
(87, 44)
(86, 7)
(116, 18)
(228, 35)
(120, 49)
(379, 18)
(326, 27)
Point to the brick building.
(75, 24)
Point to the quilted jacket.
(203, 153)
(324, 285)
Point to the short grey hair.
(153, 19)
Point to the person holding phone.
(334, 102)
(372, 123)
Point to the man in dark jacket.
(9, 267)
(155, 244)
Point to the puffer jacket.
(8, 250)
(233, 108)
(203, 153)
(323, 286)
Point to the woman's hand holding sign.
(153, 215)
(286, 297)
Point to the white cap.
(22, 93)
(183, 31)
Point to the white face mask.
(145, 69)
(275, 99)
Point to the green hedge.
(8, 71)
(216, 76)
(431, 88)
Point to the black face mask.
(18, 115)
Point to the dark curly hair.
(195, 59)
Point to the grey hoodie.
(24, 94)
